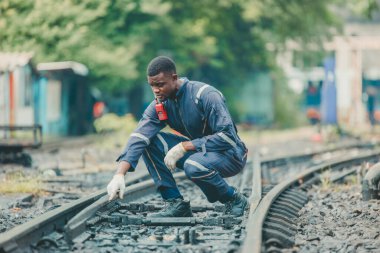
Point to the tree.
(216, 41)
(93, 32)
(115, 38)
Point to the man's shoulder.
(201, 91)
(200, 88)
(196, 84)
(150, 109)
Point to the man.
(208, 151)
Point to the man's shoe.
(236, 205)
(174, 208)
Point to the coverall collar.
(182, 88)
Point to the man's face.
(164, 85)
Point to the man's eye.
(157, 85)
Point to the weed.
(17, 182)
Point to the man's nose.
(156, 90)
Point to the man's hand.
(117, 183)
(174, 154)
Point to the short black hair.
(161, 64)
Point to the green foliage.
(216, 41)
(111, 122)
(287, 103)
(114, 130)
(89, 31)
(305, 59)
(362, 8)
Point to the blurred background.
(280, 64)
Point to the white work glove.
(174, 154)
(117, 183)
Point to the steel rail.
(19, 236)
(283, 159)
(77, 224)
(253, 240)
(256, 194)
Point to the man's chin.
(161, 99)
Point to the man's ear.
(174, 76)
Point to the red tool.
(160, 109)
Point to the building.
(17, 79)
(55, 95)
(63, 99)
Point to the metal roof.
(10, 61)
(76, 67)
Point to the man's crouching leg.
(175, 205)
(215, 187)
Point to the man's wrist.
(188, 145)
(123, 168)
(120, 172)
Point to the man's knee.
(189, 170)
(195, 170)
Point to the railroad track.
(270, 227)
(93, 222)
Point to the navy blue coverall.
(200, 114)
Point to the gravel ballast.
(337, 220)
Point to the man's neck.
(179, 83)
(178, 86)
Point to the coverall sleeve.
(148, 126)
(219, 121)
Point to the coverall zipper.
(180, 116)
(204, 127)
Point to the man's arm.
(148, 127)
(123, 168)
(188, 145)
